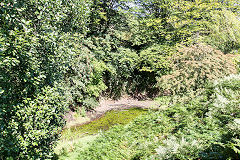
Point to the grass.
(77, 138)
(78, 119)
(69, 149)
(110, 119)
(205, 127)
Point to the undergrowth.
(77, 137)
(206, 127)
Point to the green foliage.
(175, 21)
(103, 123)
(237, 62)
(124, 62)
(204, 128)
(31, 60)
(226, 111)
(96, 47)
(32, 127)
(105, 17)
(120, 142)
(152, 30)
(178, 148)
(206, 125)
(81, 72)
(224, 31)
(193, 68)
(156, 59)
(120, 65)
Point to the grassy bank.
(78, 137)
(206, 127)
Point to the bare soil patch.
(107, 105)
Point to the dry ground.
(106, 105)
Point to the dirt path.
(107, 105)
(123, 103)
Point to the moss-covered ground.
(111, 118)
(79, 137)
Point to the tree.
(32, 103)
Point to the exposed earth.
(107, 105)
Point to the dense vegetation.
(206, 127)
(57, 55)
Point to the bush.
(30, 129)
(193, 67)
(178, 148)
(155, 59)
(209, 129)
(152, 61)
(226, 113)
(121, 65)
(82, 73)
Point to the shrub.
(82, 74)
(121, 65)
(30, 130)
(155, 59)
(152, 61)
(179, 148)
(83, 82)
(226, 113)
(193, 67)
(207, 130)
